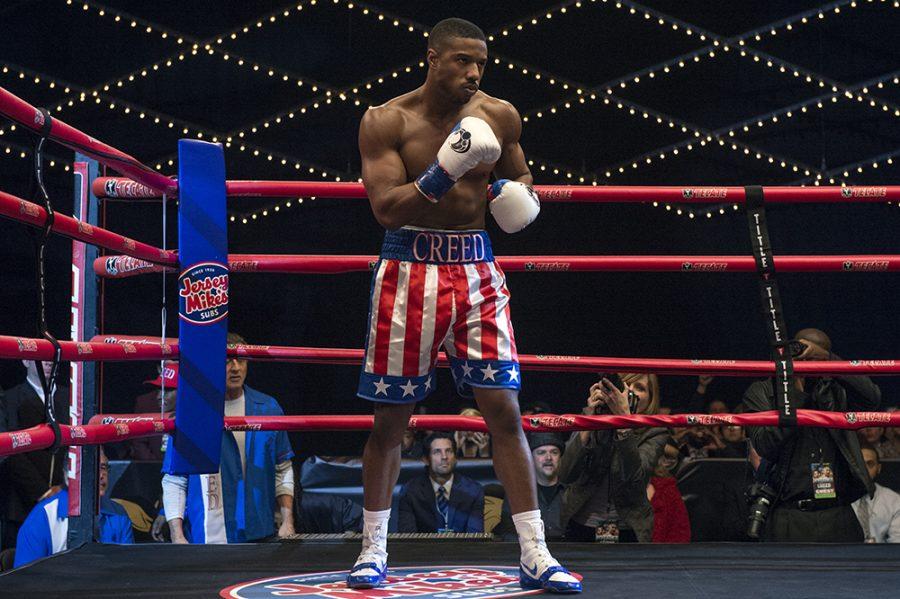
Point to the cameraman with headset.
(810, 476)
(607, 471)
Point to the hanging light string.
(725, 136)
(726, 45)
(196, 47)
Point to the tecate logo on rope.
(864, 192)
(26, 345)
(470, 582)
(867, 417)
(20, 439)
(203, 293)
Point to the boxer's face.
(458, 66)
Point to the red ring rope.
(136, 348)
(28, 116)
(32, 214)
(120, 267)
(104, 427)
(124, 188)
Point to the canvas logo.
(203, 293)
(438, 582)
(460, 141)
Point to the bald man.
(818, 472)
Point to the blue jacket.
(46, 528)
(418, 508)
(249, 502)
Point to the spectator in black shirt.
(818, 473)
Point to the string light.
(349, 94)
(725, 44)
(198, 47)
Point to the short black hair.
(426, 444)
(453, 27)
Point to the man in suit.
(439, 500)
(26, 477)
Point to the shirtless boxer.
(427, 157)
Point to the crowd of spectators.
(604, 486)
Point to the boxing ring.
(452, 566)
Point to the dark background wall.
(592, 47)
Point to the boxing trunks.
(436, 289)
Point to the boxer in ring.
(427, 158)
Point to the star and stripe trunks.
(436, 289)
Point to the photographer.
(607, 471)
(814, 474)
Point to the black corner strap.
(46, 124)
(771, 303)
(47, 383)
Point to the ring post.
(82, 461)
(202, 309)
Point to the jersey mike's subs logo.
(203, 293)
(431, 582)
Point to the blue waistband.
(436, 246)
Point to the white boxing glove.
(469, 144)
(513, 204)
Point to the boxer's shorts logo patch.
(203, 293)
(461, 141)
(471, 582)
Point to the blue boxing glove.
(469, 144)
(514, 205)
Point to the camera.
(619, 384)
(796, 348)
(760, 496)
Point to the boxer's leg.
(381, 457)
(511, 455)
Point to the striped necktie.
(443, 506)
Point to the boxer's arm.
(512, 164)
(394, 201)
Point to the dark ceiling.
(662, 92)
